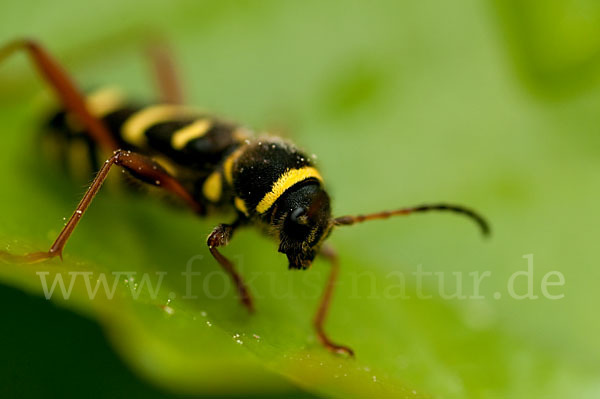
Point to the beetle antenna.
(481, 222)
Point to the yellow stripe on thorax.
(228, 164)
(241, 205)
(285, 181)
(190, 132)
(136, 125)
(213, 186)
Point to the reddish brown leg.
(321, 315)
(140, 167)
(220, 237)
(64, 87)
(165, 73)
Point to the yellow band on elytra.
(99, 103)
(285, 181)
(105, 100)
(136, 125)
(190, 132)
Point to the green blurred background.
(492, 104)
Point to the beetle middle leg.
(141, 167)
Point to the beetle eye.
(299, 215)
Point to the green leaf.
(403, 103)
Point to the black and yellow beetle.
(206, 163)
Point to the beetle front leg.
(220, 237)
